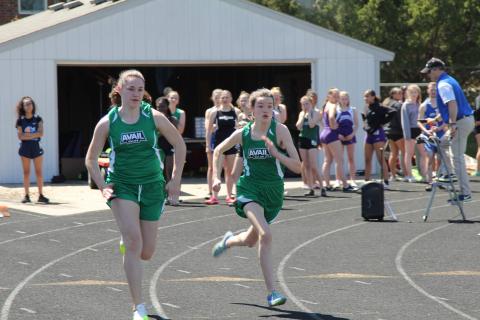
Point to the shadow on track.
(290, 314)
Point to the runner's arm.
(100, 136)
(284, 140)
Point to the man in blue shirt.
(456, 111)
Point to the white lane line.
(295, 268)
(240, 257)
(281, 267)
(183, 271)
(77, 223)
(54, 230)
(53, 240)
(24, 263)
(153, 281)
(170, 305)
(401, 270)
(4, 312)
(66, 275)
(191, 247)
(20, 231)
(21, 221)
(241, 285)
(308, 302)
(92, 249)
(111, 230)
(28, 310)
(362, 282)
(225, 268)
(114, 289)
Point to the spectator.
(456, 111)
(30, 130)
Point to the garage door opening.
(83, 97)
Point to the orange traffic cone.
(4, 211)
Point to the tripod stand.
(449, 185)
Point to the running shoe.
(462, 198)
(444, 178)
(386, 186)
(276, 299)
(230, 200)
(323, 192)
(43, 199)
(429, 187)
(348, 188)
(213, 200)
(26, 199)
(221, 246)
(140, 312)
(121, 247)
(310, 193)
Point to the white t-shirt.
(445, 90)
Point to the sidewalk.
(75, 197)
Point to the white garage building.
(164, 32)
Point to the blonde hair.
(215, 92)
(259, 93)
(306, 97)
(243, 93)
(410, 89)
(129, 73)
(276, 89)
(345, 94)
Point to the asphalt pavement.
(329, 262)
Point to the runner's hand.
(107, 191)
(216, 185)
(270, 147)
(173, 189)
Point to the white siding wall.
(182, 31)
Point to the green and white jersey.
(135, 157)
(258, 165)
(177, 114)
(307, 132)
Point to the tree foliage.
(415, 30)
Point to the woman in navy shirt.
(30, 129)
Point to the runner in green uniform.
(260, 188)
(135, 186)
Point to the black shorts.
(30, 150)
(415, 132)
(476, 130)
(394, 137)
(305, 143)
(166, 147)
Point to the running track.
(329, 262)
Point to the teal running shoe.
(221, 246)
(276, 299)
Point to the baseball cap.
(433, 63)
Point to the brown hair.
(115, 97)
(19, 108)
(129, 73)
(259, 93)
